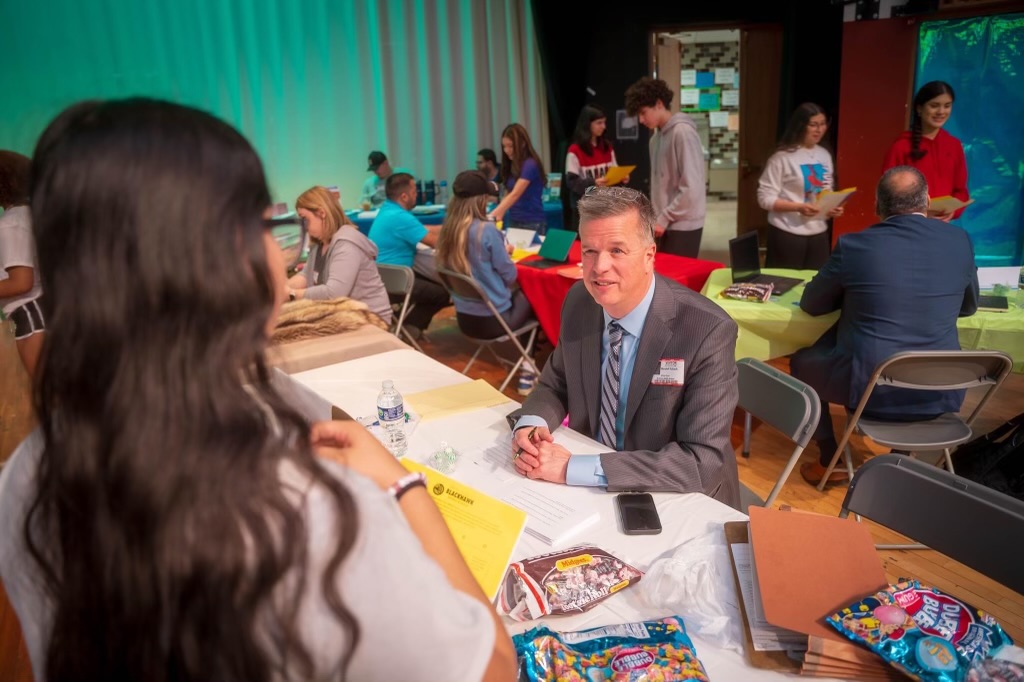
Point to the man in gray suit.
(643, 364)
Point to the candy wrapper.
(758, 293)
(654, 651)
(926, 634)
(568, 581)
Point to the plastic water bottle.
(391, 415)
(442, 193)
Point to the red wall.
(875, 90)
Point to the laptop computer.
(746, 265)
(554, 251)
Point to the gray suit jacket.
(677, 437)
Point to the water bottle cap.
(388, 383)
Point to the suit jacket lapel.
(589, 358)
(653, 339)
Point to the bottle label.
(391, 414)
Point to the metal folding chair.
(786, 404)
(398, 281)
(465, 286)
(960, 518)
(926, 370)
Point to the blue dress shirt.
(586, 469)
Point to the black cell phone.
(638, 514)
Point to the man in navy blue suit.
(900, 284)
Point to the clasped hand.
(536, 455)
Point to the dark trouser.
(429, 297)
(681, 242)
(797, 252)
(820, 372)
(486, 327)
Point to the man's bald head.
(902, 190)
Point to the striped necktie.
(610, 387)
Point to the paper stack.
(794, 569)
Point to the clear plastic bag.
(697, 582)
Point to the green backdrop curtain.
(314, 84)
(983, 59)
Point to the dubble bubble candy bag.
(925, 633)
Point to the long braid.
(916, 152)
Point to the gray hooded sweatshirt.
(348, 268)
(678, 189)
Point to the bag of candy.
(742, 291)
(654, 651)
(926, 634)
(569, 581)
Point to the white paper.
(765, 636)
(549, 518)
(519, 237)
(724, 76)
(719, 119)
(688, 77)
(730, 98)
(689, 97)
(1007, 276)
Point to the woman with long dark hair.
(471, 245)
(930, 149)
(788, 189)
(174, 517)
(589, 157)
(522, 171)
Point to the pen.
(529, 437)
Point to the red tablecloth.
(546, 289)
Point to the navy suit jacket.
(901, 284)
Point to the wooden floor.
(769, 453)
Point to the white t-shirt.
(18, 248)
(797, 175)
(413, 624)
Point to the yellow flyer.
(485, 529)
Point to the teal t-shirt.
(396, 232)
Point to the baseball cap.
(376, 159)
(472, 183)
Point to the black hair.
(926, 93)
(581, 136)
(796, 129)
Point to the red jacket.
(943, 165)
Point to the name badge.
(670, 373)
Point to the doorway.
(728, 82)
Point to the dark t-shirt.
(530, 207)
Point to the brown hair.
(319, 200)
(14, 172)
(453, 242)
(523, 150)
(647, 92)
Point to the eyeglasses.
(618, 192)
(290, 234)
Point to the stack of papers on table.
(485, 530)
(367, 215)
(795, 569)
(454, 399)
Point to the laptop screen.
(744, 257)
(557, 244)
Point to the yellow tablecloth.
(778, 327)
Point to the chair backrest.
(942, 370)
(461, 285)
(784, 403)
(964, 520)
(398, 279)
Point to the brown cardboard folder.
(810, 566)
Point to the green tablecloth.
(778, 327)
